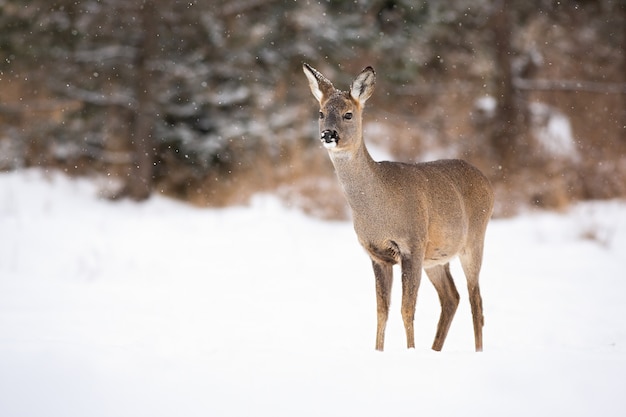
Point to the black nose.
(329, 136)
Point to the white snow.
(161, 309)
(553, 132)
(487, 105)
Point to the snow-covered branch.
(105, 53)
(98, 98)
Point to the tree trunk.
(509, 117)
(142, 140)
(623, 13)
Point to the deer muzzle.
(329, 138)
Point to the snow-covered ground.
(161, 309)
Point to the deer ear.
(320, 86)
(363, 85)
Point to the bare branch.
(438, 88)
(240, 6)
(570, 85)
(519, 84)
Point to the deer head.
(341, 112)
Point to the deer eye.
(321, 115)
(348, 115)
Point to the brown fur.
(418, 215)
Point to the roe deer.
(419, 215)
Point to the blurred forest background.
(206, 100)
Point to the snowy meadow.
(162, 309)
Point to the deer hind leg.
(449, 299)
(383, 273)
(411, 275)
(471, 261)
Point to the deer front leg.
(383, 273)
(411, 275)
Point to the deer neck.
(358, 174)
